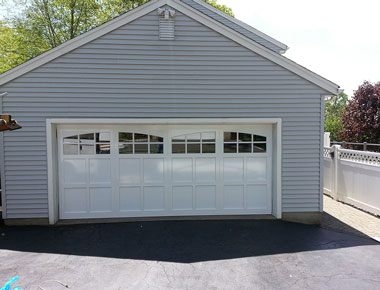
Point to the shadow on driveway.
(177, 241)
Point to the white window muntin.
(140, 143)
(87, 143)
(240, 142)
(194, 143)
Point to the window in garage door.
(238, 142)
(87, 144)
(201, 143)
(138, 143)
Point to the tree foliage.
(333, 115)
(60, 20)
(221, 7)
(17, 45)
(361, 120)
(44, 24)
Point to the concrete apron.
(310, 218)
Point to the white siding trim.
(278, 168)
(52, 163)
(187, 10)
(165, 121)
(52, 159)
(2, 165)
(321, 162)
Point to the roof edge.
(283, 46)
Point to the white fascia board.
(165, 121)
(256, 47)
(283, 46)
(80, 40)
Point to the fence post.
(335, 171)
(365, 146)
(326, 139)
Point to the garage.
(151, 170)
(172, 109)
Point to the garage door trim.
(52, 149)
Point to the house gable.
(329, 87)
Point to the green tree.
(334, 110)
(40, 25)
(221, 7)
(18, 46)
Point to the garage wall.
(129, 73)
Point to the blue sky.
(338, 39)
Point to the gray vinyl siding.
(130, 73)
(233, 26)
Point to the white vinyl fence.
(353, 177)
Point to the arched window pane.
(259, 138)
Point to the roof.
(225, 25)
(237, 25)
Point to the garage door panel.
(256, 169)
(100, 171)
(182, 170)
(154, 170)
(130, 199)
(75, 200)
(233, 169)
(257, 196)
(233, 197)
(205, 170)
(130, 171)
(182, 198)
(100, 199)
(74, 171)
(154, 198)
(205, 197)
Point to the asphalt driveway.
(246, 254)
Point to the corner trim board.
(2, 165)
(321, 165)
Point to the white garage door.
(164, 170)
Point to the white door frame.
(52, 145)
